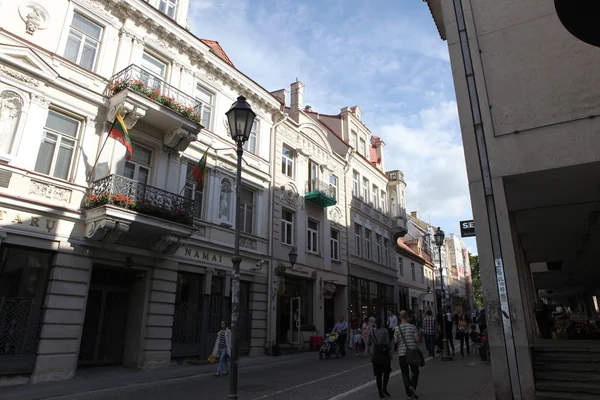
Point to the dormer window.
(168, 7)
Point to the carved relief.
(168, 244)
(40, 100)
(11, 107)
(289, 195)
(226, 166)
(335, 215)
(105, 230)
(179, 139)
(248, 243)
(35, 16)
(131, 112)
(18, 76)
(200, 230)
(225, 199)
(49, 191)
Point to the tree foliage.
(477, 290)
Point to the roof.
(410, 252)
(435, 7)
(216, 48)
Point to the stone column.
(63, 318)
(161, 307)
(258, 315)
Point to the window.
(386, 251)
(206, 100)
(139, 167)
(355, 187)
(422, 275)
(412, 271)
(334, 240)
(367, 244)
(401, 266)
(287, 227)
(153, 71)
(250, 144)
(353, 139)
(190, 191)
(374, 194)
(83, 42)
(313, 176)
(365, 189)
(333, 184)
(377, 248)
(55, 154)
(287, 161)
(168, 7)
(247, 209)
(313, 236)
(357, 239)
(382, 198)
(363, 147)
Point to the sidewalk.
(100, 378)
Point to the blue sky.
(384, 55)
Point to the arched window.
(225, 200)
(11, 108)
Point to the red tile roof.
(216, 48)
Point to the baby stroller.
(330, 346)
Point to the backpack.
(381, 352)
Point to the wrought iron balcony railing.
(321, 193)
(131, 195)
(155, 88)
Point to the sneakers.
(217, 374)
(387, 394)
(226, 373)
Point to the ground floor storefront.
(305, 302)
(67, 302)
(370, 298)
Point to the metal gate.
(19, 329)
(103, 335)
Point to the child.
(358, 345)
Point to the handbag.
(413, 356)
(381, 355)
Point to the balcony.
(141, 94)
(117, 206)
(399, 224)
(320, 193)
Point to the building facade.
(110, 259)
(415, 279)
(309, 214)
(526, 94)
(460, 271)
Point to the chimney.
(297, 97)
(281, 94)
(308, 108)
(413, 213)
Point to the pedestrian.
(406, 336)
(463, 334)
(392, 323)
(482, 321)
(429, 331)
(342, 329)
(366, 331)
(381, 357)
(222, 349)
(448, 328)
(354, 329)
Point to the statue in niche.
(11, 106)
(225, 199)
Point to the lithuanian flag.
(200, 171)
(120, 134)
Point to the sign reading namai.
(204, 255)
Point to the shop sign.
(204, 255)
(297, 270)
(27, 221)
(467, 228)
(328, 290)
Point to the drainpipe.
(270, 287)
(348, 157)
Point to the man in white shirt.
(392, 323)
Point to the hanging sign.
(467, 228)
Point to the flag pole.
(101, 148)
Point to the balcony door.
(153, 72)
(313, 175)
(138, 169)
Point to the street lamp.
(240, 118)
(293, 256)
(439, 241)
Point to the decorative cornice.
(7, 71)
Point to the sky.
(385, 56)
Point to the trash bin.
(316, 342)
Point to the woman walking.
(222, 349)
(463, 334)
(381, 349)
(366, 331)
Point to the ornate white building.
(109, 260)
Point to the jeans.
(430, 344)
(464, 337)
(410, 379)
(342, 343)
(353, 333)
(223, 361)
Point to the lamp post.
(240, 118)
(439, 241)
(293, 256)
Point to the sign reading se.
(467, 228)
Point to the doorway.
(329, 314)
(105, 324)
(295, 320)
